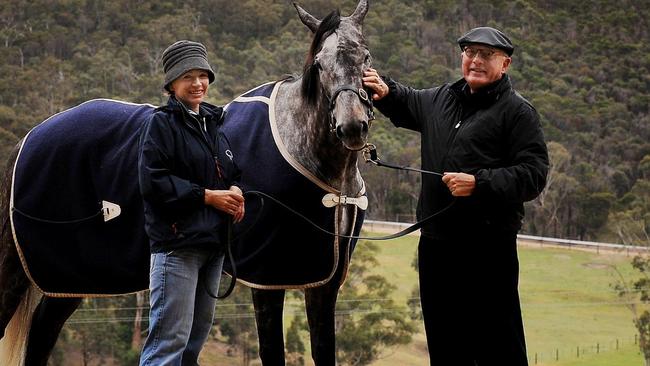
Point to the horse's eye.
(318, 65)
(367, 59)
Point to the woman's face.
(191, 88)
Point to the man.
(488, 141)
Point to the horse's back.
(66, 167)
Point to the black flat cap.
(183, 56)
(488, 36)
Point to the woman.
(188, 180)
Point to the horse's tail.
(14, 343)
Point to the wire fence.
(580, 351)
(105, 313)
(243, 310)
(389, 226)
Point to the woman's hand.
(239, 215)
(372, 80)
(229, 201)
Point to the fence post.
(597, 348)
(535, 358)
(578, 352)
(557, 354)
(617, 344)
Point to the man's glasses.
(484, 53)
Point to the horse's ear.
(307, 19)
(360, 12)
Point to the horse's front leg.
(268, 316)
(320, 303)
(49, 317)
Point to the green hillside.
(584, 65)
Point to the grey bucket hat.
(183, 56)
(488, 36)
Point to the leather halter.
(363, 96)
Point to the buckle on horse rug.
(331, 200)
(110, 210)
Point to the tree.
(594, 211)
(97, 329)
(295, 347)
(136, 338)
(632, 293)
(368, 319)
(235, 320)
(545, 213)
(632, 225)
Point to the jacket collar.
(207, 110)
(484, 96)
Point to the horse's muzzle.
(352, 130)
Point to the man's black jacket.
(180, 156)
(494, 134)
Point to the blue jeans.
(181, 312)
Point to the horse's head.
(333, 73)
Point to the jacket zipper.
(204, 136)
(452, 138)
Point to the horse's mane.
(310, 80)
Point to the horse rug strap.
(78, 217)
(331, 200)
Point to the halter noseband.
(363, 96)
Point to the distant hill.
(584, 65)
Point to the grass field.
(568, 304)
(572, 315)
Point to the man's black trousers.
(470, 299)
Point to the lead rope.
(370, 155)
(231, 259)
(406, 231)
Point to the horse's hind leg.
(268, 315)
(320, 303)
(49, 317)
(13, 282)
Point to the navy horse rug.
(76, 209)
(281, 250)
(77, 215)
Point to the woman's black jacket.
(494, 134)
(179, 157)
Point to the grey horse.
(322, 120)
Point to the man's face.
(483, 65)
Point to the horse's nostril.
(339, 131)
(364, 126)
